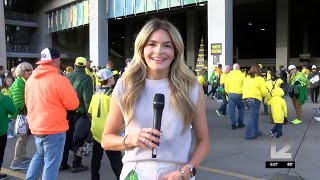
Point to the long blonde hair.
(180, 79)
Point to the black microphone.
(158, 105)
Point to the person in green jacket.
(296, 78)
(82, 84)
(6, 108)
(7, 82)
(23, 72)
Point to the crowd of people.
(247, 91)
(85, 110)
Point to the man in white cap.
(313, 78)
(298, 91)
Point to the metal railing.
(19, 48)
(19, 16)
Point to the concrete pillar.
(282, 42)
(42, 35)
(98, 33)
(220, 30)
(192, 38)
(128, 40)
(3, 52)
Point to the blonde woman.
(158, 67)
(22, 72)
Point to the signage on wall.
(216, 48)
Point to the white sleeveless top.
(175, 145)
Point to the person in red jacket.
(48, 96)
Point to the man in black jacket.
(313, 78)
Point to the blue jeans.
(223, 107)
(277, 130)
(253, 119)
(235, 100)
(48, 157)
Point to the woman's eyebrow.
(153, 41)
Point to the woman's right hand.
(147, 138)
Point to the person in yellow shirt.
(89, 71)
(233, 87)
(99, 109)
(222, 111)
(201, 78)
(69, 69)
(254, 89)
(305, 71)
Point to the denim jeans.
(277, 130)
(253, 119)
(223, 107)
(3, 143)
(48, 157)
(235, 100)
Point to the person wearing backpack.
(6, 107)
(99, 109)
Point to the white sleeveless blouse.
(175, 145)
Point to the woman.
(158, 67)
(7, 82)
(23, 72)
(254, 89)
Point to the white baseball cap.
(47, 55)
(291, 67)
(314, 67)
(104, 74)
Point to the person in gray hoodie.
(313, 78)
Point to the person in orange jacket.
(48, 96)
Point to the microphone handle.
(157, 125)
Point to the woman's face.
(9, 82)
(158, 54)
(27, 73)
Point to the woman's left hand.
(175, 175)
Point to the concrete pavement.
(231, 157)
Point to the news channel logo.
(281, 158)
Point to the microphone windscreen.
(158, 101)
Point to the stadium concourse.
(231, 157)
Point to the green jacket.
(82, 84)
(6, 108)
(298, 76)
(17, 94)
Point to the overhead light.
(249, 23)
(262, 29)
(122, 37)
(119, 18)
(201, 4)
(18, 28)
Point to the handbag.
(21, 126)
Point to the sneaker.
(27, 160)
(271, 134)
(258, 133)
(64, 167)
(233, 127)
(3, 176)
(219, 100)
(241, 126)
(226, 115)
(9, 136)
(19, 166)
(79, 169)
(219, 113)
(296, 121)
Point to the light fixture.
(249, 23)
(17, 28)
(119, 18)
(262, 29)
(201, 4)
(122, 37)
